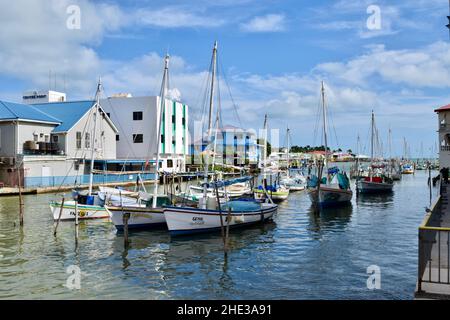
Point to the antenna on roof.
(448, 17)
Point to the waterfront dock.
(434, 250)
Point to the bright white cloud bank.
(34, 39)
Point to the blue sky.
(274, 55)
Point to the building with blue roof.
(52, 140)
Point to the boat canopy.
(225, 183)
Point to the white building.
(33, 97)
(137, 120)
(444, 135)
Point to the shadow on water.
(333, 218)
(382, 200)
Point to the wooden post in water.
(220, 213)
(59, 217)
(126, 217)
(76, 221)
(20, 198)
(227, 233)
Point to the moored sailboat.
(377, 181)
(210, 214)
(334, 188)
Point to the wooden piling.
(126, 217)
(76, 221)
(59, 217)
(220, 214)
(20, 198)
(227, 233)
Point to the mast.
(161, 112)
(211, 107)
(211, 98)
(265, 148)
(371, 142)
(96, 109)
(288, 149)
(325, 137)
(391, 162)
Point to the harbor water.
(300, 255)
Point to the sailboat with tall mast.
(211, 214)
(294, 181)
(334, 188)
(377, 181)
(87, 205)
(147, 212)
(276, 191)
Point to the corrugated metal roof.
(69, 113)
(15, 111)
(444, 108)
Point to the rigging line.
(231, 96)
(76, 153)
(330, 115)
(318, 117)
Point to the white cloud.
(175, 17)
(427, 67)
(267, 23)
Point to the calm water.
(301, 255)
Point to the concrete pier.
(434, 251)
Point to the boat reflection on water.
(381, 201)
(188, 249)
(334, 218)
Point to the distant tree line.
(308, 148)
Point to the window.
(35, 137)
(184, 121)
(117, 137)
(87, 140)
(55, 139)
(138, 138)
(78, 140)
(173, 119)
(47, 138)
(162, 138)
(169, 163)
(137, 115)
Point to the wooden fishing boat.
(376, 181)
(148, 212)
(334, 188)
(183, 221)
(211, 215)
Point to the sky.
(273, 56)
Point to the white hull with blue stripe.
(192, 220)
(140, 217)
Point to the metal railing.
(434, 248)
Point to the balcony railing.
(445, 148)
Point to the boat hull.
(329, 197)
(85, 212)
(373, 187)
(140, 218)
(184, 221)
(276, 196)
